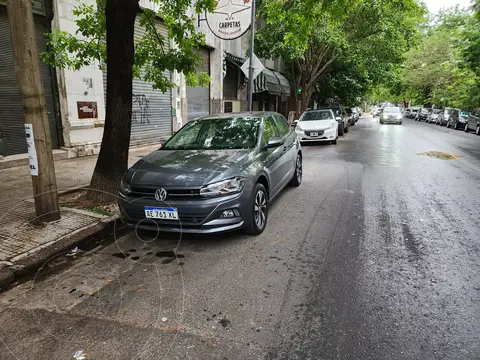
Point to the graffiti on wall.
(140, 112)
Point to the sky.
(435, 5)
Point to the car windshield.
(392, 110)
(216, 134)
(317, 115)
(349, 111)
(464, 114)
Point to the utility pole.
(37, 132)
(250, 70)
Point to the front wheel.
(297, 177)
(455, 127)
(340, 130)
(466, 128)
(448, 124)
(259, 211)
(477, 130)
(346, 129)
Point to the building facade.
(76, 99)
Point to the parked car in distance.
(360, 111)
(422, 114)
(317, 125)
(391, 115)
(377, 112)
(458, 119)
(444, 116)
(340, 115)
(432, 117)
(218, 173)
(351, 116)
(473, 122)
(356, 113)
(412, 113)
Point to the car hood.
(316, 124)
(188, 168)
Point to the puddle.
(168, 254)
(440, 155)
(121, 255)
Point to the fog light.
(228, 214)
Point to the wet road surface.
(375, 256)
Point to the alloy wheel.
(298, 168)
(260, 209)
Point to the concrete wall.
(84, 85)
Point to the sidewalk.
(19, 236)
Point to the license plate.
(314, 134)
(161, 213)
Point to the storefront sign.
(230, 19)
(87, 109)
(32, 152)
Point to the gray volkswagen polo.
(218, 173)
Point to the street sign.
(257, 67)
(230, 19)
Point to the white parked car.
(317, 125)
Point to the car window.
(316, 115)
(216, 134)
(269, 129)
(282, 124)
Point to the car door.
(289, 153)
(273, 160)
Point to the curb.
(32, 263)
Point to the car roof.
(246, 114)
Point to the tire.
(448, 125)
(340, 130)
(381, 122)
(477, 130)
(455, 127)
(333, 142)
(346, 129)
(260, 196)
(466, 128)
(297, 176)
(400, 123)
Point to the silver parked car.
(391, 115)
(218, 173)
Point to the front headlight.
(225, 187)
(125, 187)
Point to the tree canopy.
(320, 40)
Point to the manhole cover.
(440, 155)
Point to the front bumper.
(328, 135)
(391, 120)
(195, 216)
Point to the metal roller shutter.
(151, 109)
(11, 109)
(198, 98)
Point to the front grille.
(172, 194)
(185, 219)
(319, 132)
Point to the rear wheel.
(346, 129)
(448, 124)
(259, 211)
(340, 130)
(466, 129)
(477, 130)
(455, 127)
(297, 177)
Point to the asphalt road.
(375, 256)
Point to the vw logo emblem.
(161, 194)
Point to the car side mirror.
(338, 118)
(274, 142)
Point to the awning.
(268, 80)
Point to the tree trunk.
(112, 161)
